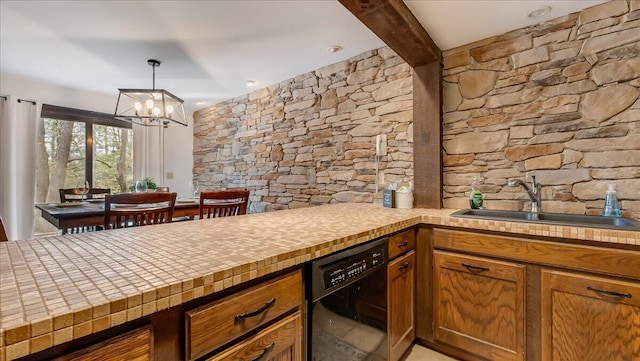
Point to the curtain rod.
(33, 102)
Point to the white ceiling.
(209, 49)
(452, 23)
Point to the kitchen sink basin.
(577, 220)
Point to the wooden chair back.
(223, 203)
(73, 195)
(138, 209)
(3, 232)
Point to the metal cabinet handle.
(403, 243)
(610, 293)
(264, 353)
(404, 266)
(475, 268)
(256, 312)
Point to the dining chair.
(223, 203)
(138, 209)
(3, 231)
(74, 195)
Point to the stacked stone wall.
(310, 140)
(558, 101)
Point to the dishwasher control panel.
(354, 267)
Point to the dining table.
(91, 212)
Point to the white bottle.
(611, 205)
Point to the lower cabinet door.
(281, 341)
(479, 305)
(587, 318)
(401, 304)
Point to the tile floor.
(419, 353)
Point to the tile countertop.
(56, 289)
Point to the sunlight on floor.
(419, 353)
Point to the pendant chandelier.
(150, 107)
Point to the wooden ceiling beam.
(395, 24)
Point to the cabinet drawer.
(213, 325)
(616, 262)
(401, 242)
(281, 341)
(135, 345)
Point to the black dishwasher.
(347, 304)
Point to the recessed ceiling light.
(201, 103)
(539, 12)
(334, 49)
(251, 82)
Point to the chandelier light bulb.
(138, 106)
(156, 111)
(149, 103)
(169, 109)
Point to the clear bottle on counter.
(475, 197)
(611, 204)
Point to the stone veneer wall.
(310, 139)
(559, 101)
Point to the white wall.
(178, 155)
(178, 141)
(56, 95)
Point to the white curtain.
(18, 130)
(148, 157)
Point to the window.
(76, 145)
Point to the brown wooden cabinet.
(401, 297)
(401, 243)
(479, 305)
(213, 325)
(500, 297)
(588, 318)
(281, 341)
(401, 306)
(136, 345)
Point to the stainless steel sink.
(577, 220)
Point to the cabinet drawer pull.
(403, 243)
(471, 267)
(404, 266)
(610, 293)
(264, 353)
(256, 312)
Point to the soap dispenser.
(475, 197)
(611, 205)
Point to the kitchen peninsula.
(59, 289)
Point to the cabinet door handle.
(404, 266)
(610, 293)
(471, 267)
(257, 311)
(403, 243)
(264, 353)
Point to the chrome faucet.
(533, 192)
